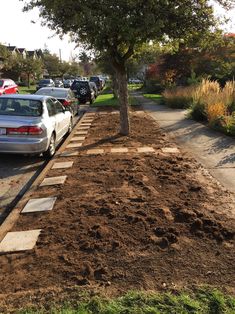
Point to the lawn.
(26, 90)
(107, 100)
(155, 97)
(133, 87)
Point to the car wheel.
(70, 126)
(50, 152)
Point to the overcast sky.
(18, 30)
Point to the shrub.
(215, 112)
(153, 86)
(178, 97)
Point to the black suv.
(83, 91)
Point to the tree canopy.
(117, 28)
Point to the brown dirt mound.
(126, 221)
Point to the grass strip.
(200, 302)
(26, 90)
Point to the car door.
(7, 87)
(62, 119)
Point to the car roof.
(26, 96)
(53, 88)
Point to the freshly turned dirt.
(124, 221)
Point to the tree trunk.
(123, 98)
(115, 85)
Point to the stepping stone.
(53, 180)
(145, 149)
(74, 145)
(62, 165)
(69, 154)
(83, 128)
(170, 150)
(19, 241)
(119, 150)
(78, 138)
(81, 132)
(39, 205)
(95, 151)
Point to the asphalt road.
(17, 173)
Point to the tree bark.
(115, 85)
(123, 98)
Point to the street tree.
(118, 27)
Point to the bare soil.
(124, 221)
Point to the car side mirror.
(6, 86)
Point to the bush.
(178, 97)
(153, 86)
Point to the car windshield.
(44, 82)
(79, 84)
(52, 92)
(94, 79)
(20, 107)
(1, 83)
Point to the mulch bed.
(125, 221)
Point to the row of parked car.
(35, 124)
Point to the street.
(17, 173)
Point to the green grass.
(200, 302)
(26, 90)
(155, 97)
(105, 100)
(133, 87)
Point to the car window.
(79, 84)
(51, 107)
(52, 92)
(44, 82)
(1, 83)
(58, 106)
(20, 107)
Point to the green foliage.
(200, 302)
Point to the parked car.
(45, 83)
(97, 80)
(135, 81)
(64, 95)
(67, 83)
(83, 91)
(32, 124)
(7, 86)
(94, 87)
(58, 83)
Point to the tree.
(52, 64)
(31, 66)
(118, 27)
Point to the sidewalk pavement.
(215, 151)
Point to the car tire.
(50, 152)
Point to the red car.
(7, 86)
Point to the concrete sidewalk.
(215, 151)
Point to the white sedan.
(32, 124)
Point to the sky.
(18, 30)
